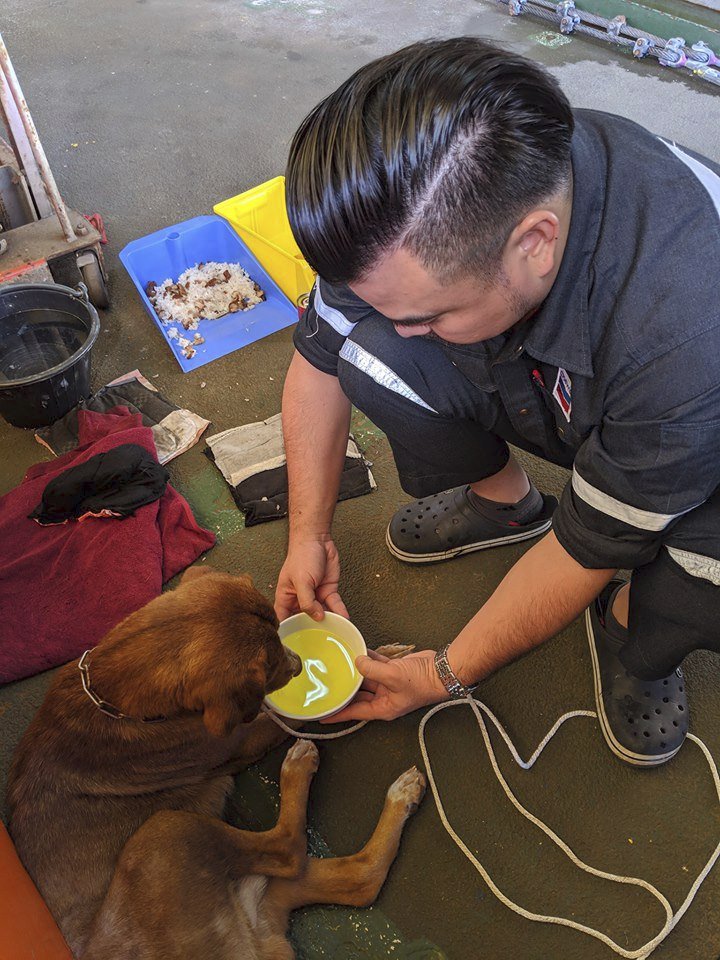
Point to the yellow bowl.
(329, 678)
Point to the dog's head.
(212, 647)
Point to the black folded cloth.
(112, 484)
(175, 430)
(252, 460)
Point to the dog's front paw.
(408, 789)
(302, 755)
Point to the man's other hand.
(392, 688)
(309, 581)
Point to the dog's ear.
(253, 694)
(194, 573)
(221, 716)
(227, 710)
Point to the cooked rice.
(206, 291)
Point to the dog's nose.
(295, 662)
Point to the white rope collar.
(478, 708)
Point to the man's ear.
(192, 573)
(535, 239)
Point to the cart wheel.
(95, 281)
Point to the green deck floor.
(175, 104)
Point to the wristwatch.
(454, 687)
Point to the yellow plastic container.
(260, 217)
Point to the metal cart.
(41, 239)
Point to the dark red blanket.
(63, 587)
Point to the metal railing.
(674, 53)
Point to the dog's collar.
(103, 706)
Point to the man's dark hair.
(442, 148)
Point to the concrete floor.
(175, 104)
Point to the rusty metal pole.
(20, 151)
(6, 69)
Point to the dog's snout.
(295, 662)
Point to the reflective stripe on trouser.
(425, 406)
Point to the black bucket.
(47, 332)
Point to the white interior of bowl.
(343, 630)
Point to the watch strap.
(454, 687)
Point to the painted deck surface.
(150, 112)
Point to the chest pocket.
(557, 392)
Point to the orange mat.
(27, 930)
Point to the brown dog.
(117, 819)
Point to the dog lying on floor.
(117, 818)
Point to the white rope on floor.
(302, 735)
(478, 708)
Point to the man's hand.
(316, 423)
(392, 688)
(541, 594)
(309, 580)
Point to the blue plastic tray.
(168, 252)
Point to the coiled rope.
(479, 708)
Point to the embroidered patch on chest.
(562, 391)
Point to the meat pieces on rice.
(206, 291)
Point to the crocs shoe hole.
(680, 689)
(630, 720)
(645, 716)
(658, 710)
(666, 699)
(440, 503)
(665, 683)
(647, 692)
(680, 707)
(417, 536)
(402, 530)
(662, 729)
(427, 509)
(675, 723)
(646, 733)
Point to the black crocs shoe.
(447, 525)
(644, 722)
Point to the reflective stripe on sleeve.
(337, 320)
(707, 177)
(642, 519)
